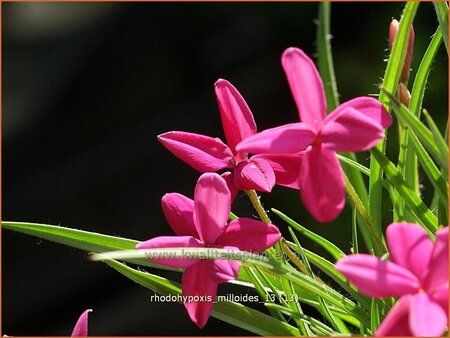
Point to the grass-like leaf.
(415, 204)
(324, 243)
(328, 268)
(249, 259)
(436, 149)
(434, 175)
(441, 8)
(80, 239)
(390, 82)
(229, 312)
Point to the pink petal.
(409, 246)
(306, 85)
(179, 210)
(437, 274)
(377, 278)
(322, 186)
(196, 282)
(254, 174)
(350, 130)
(212, 206)
(440, 296)
(370, 107)
(171, 242)
(396, 322)
(286, 139)
(426, 318)
(81, 327)
(237, 119)
(286, 168)
(249, 235)
(203, 153)
(229, 179)
(222, 271)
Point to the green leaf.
(328, 268)
(441, 8)
(251, 260)
(390, 82)
(422, 132)
(374, 315)
(259, 287)
(415, 204)
(229, 312)
(324, 243)
(441, 144)
(420, 81)
(434, 175)
(316, 325)
(84, 240)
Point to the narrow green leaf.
(233, 313)
(374, 315)
(354, 164)
(324, 243)
(441, 8)
(325, 310)
(320, 327)
(390, 82)
(367, 225)
(84, 240)
(251, 260)
(434, 175)
(422, 132)
(441, 144)
(259, 287)
(415, 204)
(420, 81)
(355, 245)
(328, 268)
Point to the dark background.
(86, 89)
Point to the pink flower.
(355, 125)
(208, 154)
(418, 274)
(203, 223)
(81, 327)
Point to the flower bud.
(403, 94)
(393, 29)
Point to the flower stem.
(258, 206)
(280, 247)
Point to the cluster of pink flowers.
(301, 156)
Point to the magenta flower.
(208, 154)
(355, 125)
(203, 223)
(417, 273)
(81, 327)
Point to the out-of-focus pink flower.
(202, 222)
(355, 125)
(417, 273)
(81, 327)
(393, 29)
(208, 154)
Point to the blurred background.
(86, 89)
